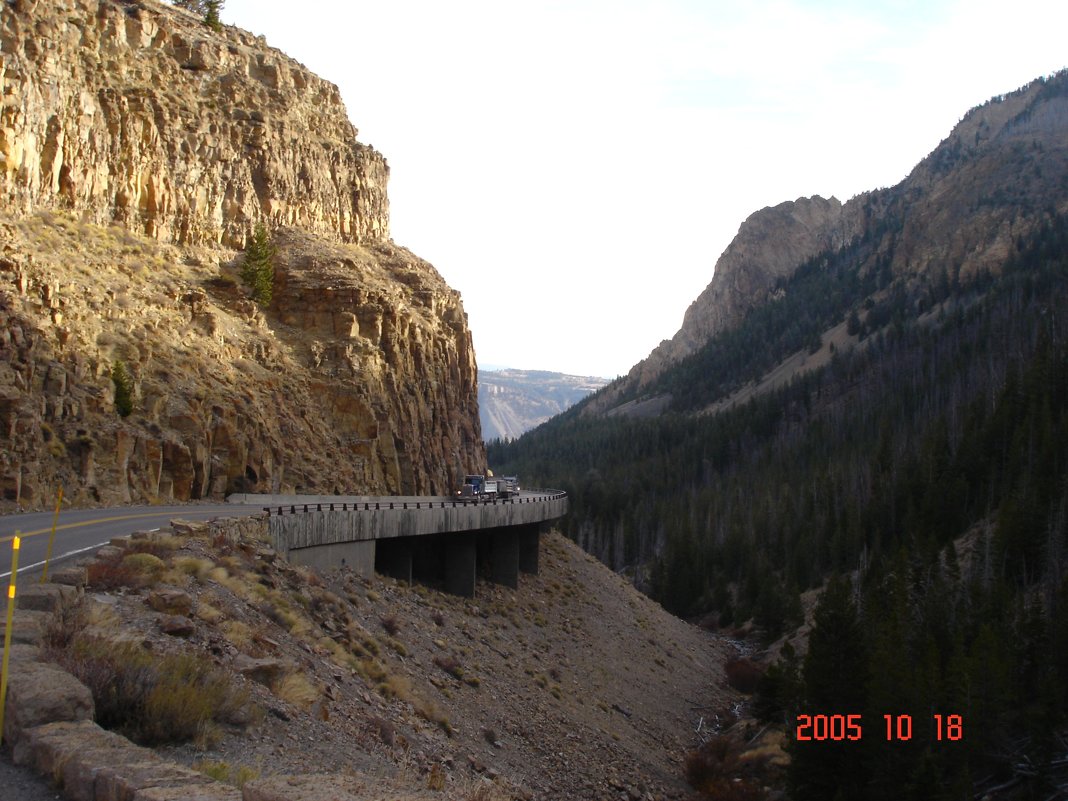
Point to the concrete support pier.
(529, 542)
(461, 564)
(505, 557)
(394, 558)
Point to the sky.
(574, 169)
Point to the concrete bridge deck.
(407, 537)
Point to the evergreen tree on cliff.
(211, 14)
(257, 269)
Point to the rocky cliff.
(137, 151)
(996, 177)
(135, 112)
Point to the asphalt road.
(81, 530)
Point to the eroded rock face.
(137, 113)
(360, 379)
(138, 149)
(769, 245)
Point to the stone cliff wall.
(137, 150)
(135, 112)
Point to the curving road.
(81, 530)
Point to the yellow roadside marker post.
(52, 537)
(7, 631)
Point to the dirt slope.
(572, 686)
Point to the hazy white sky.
(575, 168)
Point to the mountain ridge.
(947, 222)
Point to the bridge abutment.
(357, 556)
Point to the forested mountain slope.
(915, 445)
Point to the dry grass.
(193, 566)
(153, 698)
(296, 689)
(238, 633)
(235, 775)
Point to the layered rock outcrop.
(138, 148)
(135, 112)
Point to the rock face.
(138, 113)
(994, 178)
(770, 245)
(137, 148)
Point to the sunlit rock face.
(137, 113)
(138, 149)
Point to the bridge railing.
(376, 506)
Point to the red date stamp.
(851, 727)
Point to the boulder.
(40, 693)
(43, 597)
(170, 601)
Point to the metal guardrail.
(377, 506)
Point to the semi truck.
(488, 488)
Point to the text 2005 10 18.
(821, 728)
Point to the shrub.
(153, 699)
(436, 779)
(715, 771)
(70, 618)
(450, 665)
(115, 572)
(384, 729)
(743, 675)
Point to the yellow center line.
(115, 519)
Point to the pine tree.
(257, 269)
(835, 681)
(211, 14)
(123, 381)
(195, 6)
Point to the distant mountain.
(511, 402)
(869, 401)
(962, 212)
